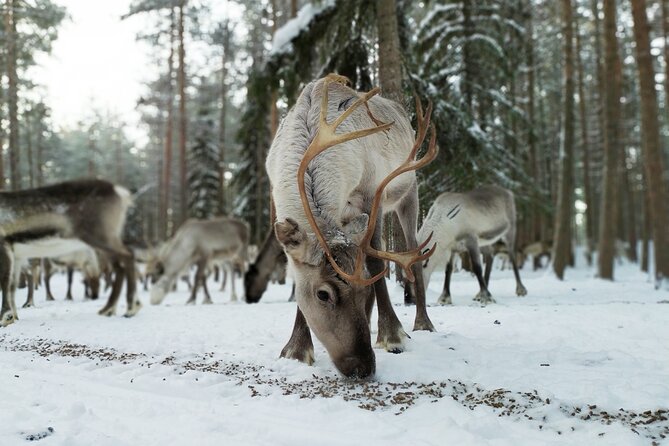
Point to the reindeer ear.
(355, 229)
(289, 233)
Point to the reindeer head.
(333, 288)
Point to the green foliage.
(203, 176)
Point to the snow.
(211, 374)
(293, 27)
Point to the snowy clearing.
(576, 362)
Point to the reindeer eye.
(323, 295)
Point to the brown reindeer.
(59, 219)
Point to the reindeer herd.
(341, 160)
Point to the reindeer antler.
(324, 139)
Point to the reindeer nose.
(357, 367)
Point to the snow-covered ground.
(574, 362)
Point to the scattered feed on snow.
(367, 395)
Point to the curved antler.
(324, 139)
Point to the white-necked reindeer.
(199, 242)
(331, 185)
(59, 219)
(466, 222)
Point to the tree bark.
(598, 147)
(609, 201)
(565, 205)
(12, 94)
(651, 145)
(183, 118)
(535, 218)
(664, 5)
(225, 44)
(166, 178)
(29, 149)
(585, 150)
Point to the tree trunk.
(664, 4)
(646, 232)
(585, 151)
(651, 145)
(166, 178)
(40, 153)
(183, 118)
(390, 79)
(29, 149)
(598, 147)
(565, 205)
(12, 94)
(293, 8)
(221, 125)
(609, 202)
(535, 219)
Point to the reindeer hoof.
(484, 297)
(190, 302)
(392, 342)
(7, 319)
(208, 302)
(133, 309)
(305, 355)
(521, 291)
(107, 311)
(50, 298)
(444, 300)
(424, 325)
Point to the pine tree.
(204, 175)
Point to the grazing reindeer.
(270, 259)
(330, 206)
(59, 219)
(467, 222)
(84, 260)
(199, 242)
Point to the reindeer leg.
(224, 279)
(7, 311)
(391, 333)
(484, 295)
(48, 272)
(233, 296)
(70, 274)
(133, 303)
(445, 298)
(510, 241)
(207, 296)
(199, 273)
(487, 259)
(110, 307)
(407, 213)
(299, 345)
(31, 289)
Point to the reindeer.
(330, 203)
(85, 260)
(59, 219)
(270, 261)
(468, 222)
(199, 242)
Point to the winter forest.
(550, 121)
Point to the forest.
(562, 102)
(537, 136)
